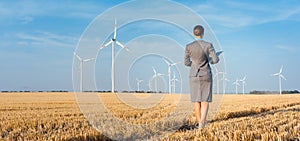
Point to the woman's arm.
(187, 59)
(212, 53)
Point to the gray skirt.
(201, 88)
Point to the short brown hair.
(198, 30)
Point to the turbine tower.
(169, 72)
(155, 75)
(149, 85)
(217, 75)
(138, 81)
(279, 74)
(173, 80)
(113, 41)
(224, 79)
(236, 83)
(243, 83)
(81, 69)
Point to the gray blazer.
(197, 56)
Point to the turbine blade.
(86, 60)
(166, 61)
(175, 63)
(106, 44)
(215, 76)
(244, 77)
(236, 82)
(118, 43)
(217, 71)
(280, 71)
(282, 76)
(115, 29)
(121, 45)
(138, 80)
(275, 74)
(154, 70)
(77, 56)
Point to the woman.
(197, 56)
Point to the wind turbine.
(169, 72)
(173, 80)
(138, 81)
(243, 83)
(279, 74)
(112, 42)
(81, 69)
(224, 79)
(217, 75)
(155, 75)
(149, 85)
(236, 83)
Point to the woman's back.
(198, 53)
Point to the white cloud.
(27, 19)
(26, 11)
(239, 14)
(286, 48)
(46, 39)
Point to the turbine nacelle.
(155, 73)
(83, 60)
(236, 82)
(81, 68)
(175, 79)
(169, 72)
(112, 43)
(243, 80)
(114, 39)
(280, 76)
(169, 64)
(139, 81)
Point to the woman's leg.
(198, 111)
(204, 110)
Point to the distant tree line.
(124, 91)
(31, 91)
(290, 92)
(272, 92)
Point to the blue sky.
(38, 39)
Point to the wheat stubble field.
(56, 116)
